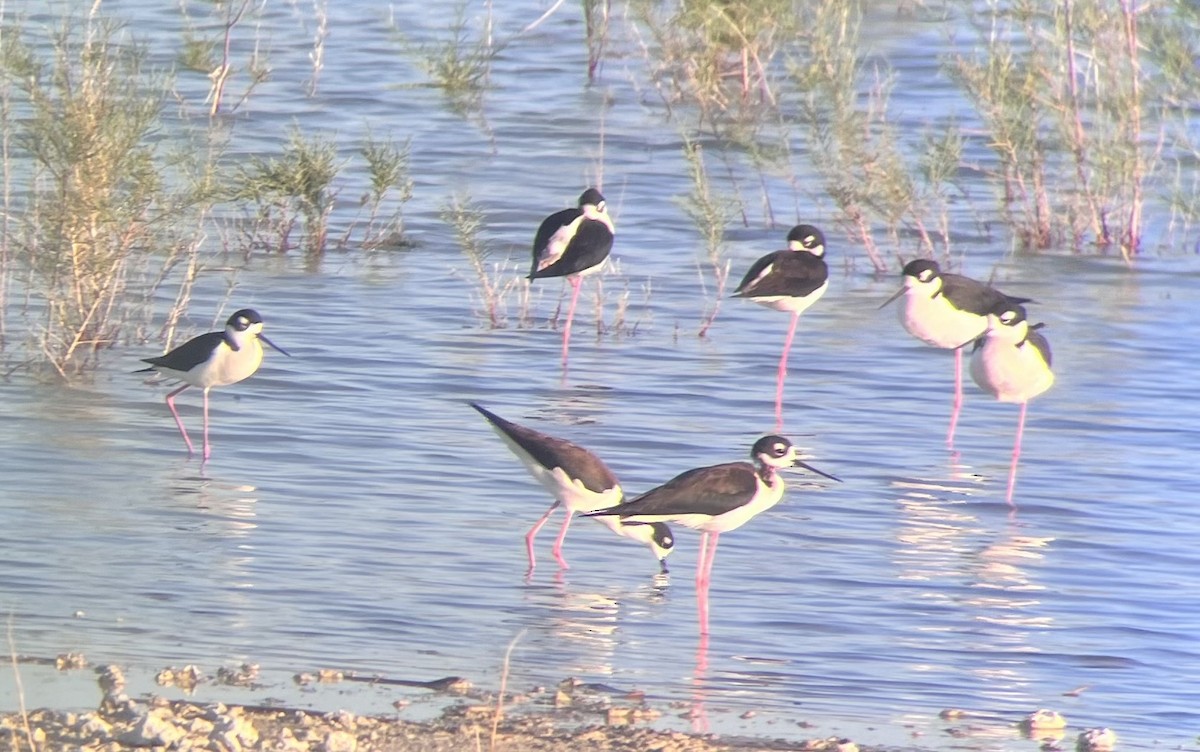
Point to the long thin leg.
(558, 542)
(207, 448)
(1016, 455)
(701, 593)
(533, 531)
(576, 282)
(178, 420)
(698, 713)
(709, 542)
(708, 560)
(783, 361)
(958, 396)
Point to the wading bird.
(213, 359)
(714, 500)
(946, 310)
(579, 481)
(573, 243)
(791, 281)
(1012, 363)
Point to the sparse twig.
(12, 657)
(503, 688)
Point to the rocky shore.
(572, 717)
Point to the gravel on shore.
(557, 725)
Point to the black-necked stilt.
(213, 359)
(946, 310)
(716, 499)
(573, 243)
(1012, 363)
(578, 480)
(791, 281)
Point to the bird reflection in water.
(578, 630)
(698, 713)
(979, 579)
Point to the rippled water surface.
(358, 515)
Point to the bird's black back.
(795, 274)
(188, 355)
(590, 245)
(712, 491)
(974, 296)
(552, 452)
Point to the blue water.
(358, 515)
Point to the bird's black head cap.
(244, 319)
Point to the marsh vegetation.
(122, 191)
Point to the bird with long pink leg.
(715, 500)
(579, 481)
(790, 280)
(1012, 363)
(211, 360)
(573, 243)
(946, 310)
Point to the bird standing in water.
(573, 243)
(946, 310)
(714, 500)
(213, 359)
(578, 480)
(791, 281)
(1012, 363)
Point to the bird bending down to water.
(213, 359)
(946, 310)
(578, 480)
(1012, 363)
(573, 243)
(716, 499)
(791, 281)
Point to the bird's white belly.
(789, 303)
(935, 322)
(1010, 373)
(768, 496)
(571, 492)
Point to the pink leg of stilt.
(783, 361)
(698, 712)
(1016, 455)
(533, 531)
(207, 449)
(178, 420)
(708, 543)
(708, 560)
(958, 396)
(701, 594)
(558, 542)
(576, 282)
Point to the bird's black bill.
(812, 469)
(263, 337)
(897, 294)
(663, 563)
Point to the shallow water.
(358, 515)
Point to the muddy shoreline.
(571, 716)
